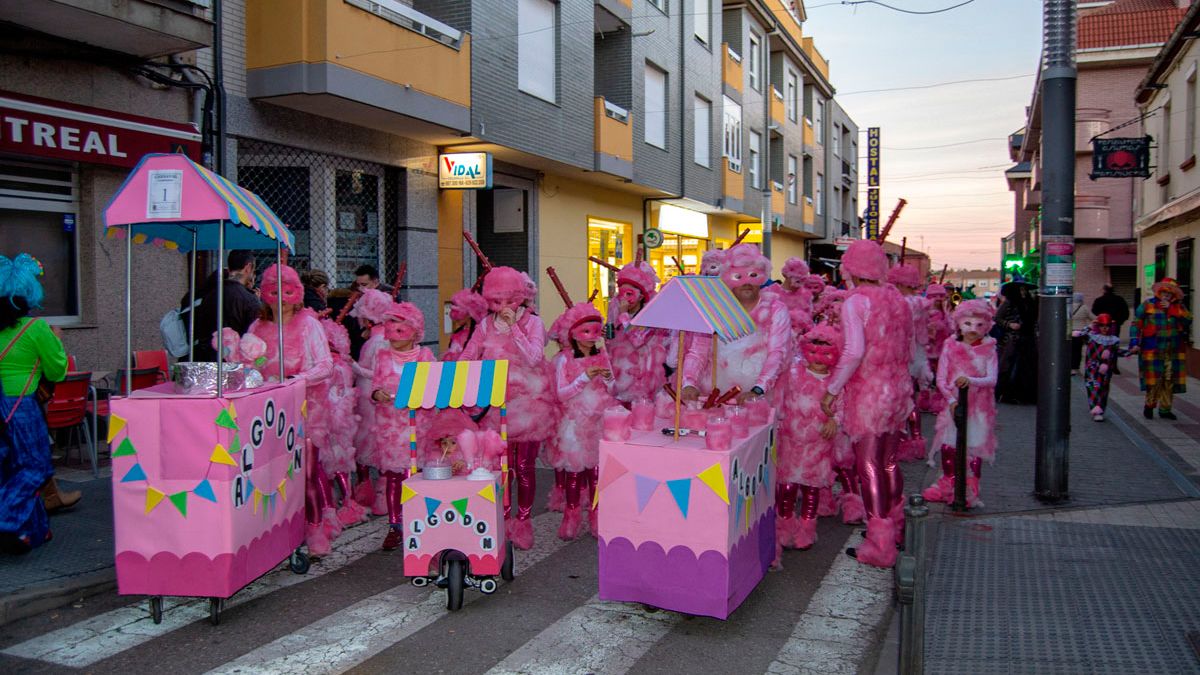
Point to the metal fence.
(344, 212)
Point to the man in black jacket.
(1115, 306)
(241, 304)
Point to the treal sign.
(465, 171)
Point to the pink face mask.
(820, 353)
(974, 324)
(588, 331)
(629, 294)
(496, 305)
(292, 294)
(457, 313)
(399, 331)
(735, 277)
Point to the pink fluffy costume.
(977, 363)
(305, 355)
(341, 423)
(371, 311)
(637, 353)
(876, 393)
(758, 359)
(512, 331)
(403, 327)
(583, 382)
(907, 280)
(795, 295)
(467, 309)
(940, 327)
(806, 441)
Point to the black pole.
(1057, 248)
(219, 82)
(960, 452)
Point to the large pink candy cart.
(208, 487)
(454, 525)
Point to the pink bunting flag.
(613, 470)
(645, 490)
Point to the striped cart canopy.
(698, 304)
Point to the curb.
(27, 602)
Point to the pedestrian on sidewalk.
(241, 305)
(1103, 347)
(968, 362)
(32, 350)
(316, 289)
(1158, 335)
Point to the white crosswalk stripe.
(348, 637)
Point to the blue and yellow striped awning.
(452, 384)
(699, 305)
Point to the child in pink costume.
(467, 309)
(403, 328)
(907, 280)
(371, 311)
(712, 262)
(806, 440)
(967, 362)
(828, 307)
(305, 355)
(827, 311)
(752, 363)
(341, 423)
(873, 382)
(480, 449)
(941, 326)
(795, 295)
(637, 353)
(583, 381)
(439, 444)
(512, 331)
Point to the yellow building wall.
(785, 245)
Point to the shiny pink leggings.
(316, 488)
(522, 458)
(975, 464)
(392, 492)
(785, 500)
(879, 476)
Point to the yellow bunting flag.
(139, 238)
(714, 478)
(283, 489)
(256, 497)
(749, 510)
(232, 411)
(153, 497)
(221, 456)
(115, 426)
(595, 498)
(406, 493)
(304, 409)
(488, 493)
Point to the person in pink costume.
(480, 449)
(828, 307)
(403, 328)
(305, 355)
(969, 362)
(512, 331)
(338, 457)
(806, 440)
(874, 386)
(439, 444)
(815, 284)
(712, 261)
(637, 353)
(827, 312)
(941, 326)
(371, 311)
(752, 363)
(467, 309)
(907, 280)
(795, 295)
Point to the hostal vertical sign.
(872, 217)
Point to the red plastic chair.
(68, 409)
(153, 359)
(98, 407)
(70, 364)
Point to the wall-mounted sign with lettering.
(465, 171)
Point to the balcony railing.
(731, 67)
(613, 138)
(778, 111)
(810, 138)
(733, 184)
(406, 17)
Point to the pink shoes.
(852, 508)
(804, 533)
(364, 493)
(572, 523)
(351, 513)
(827, 506)
(317, 540)
(879, 549)
(521, 533)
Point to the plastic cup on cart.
(739, 420)
(694, 417)
(617, 424)
(719, 435)
(759, 410)
(643, 414)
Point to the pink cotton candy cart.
(454, 525)
(208, 486)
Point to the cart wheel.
(420, 582)
(299, 562)
(487, 586)
(506, 569)
(456, 573)
(215, 605)
(156, 608)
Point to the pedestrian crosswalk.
(543, 627)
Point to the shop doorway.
(502, 227)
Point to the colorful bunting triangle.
(135, 473)
(283, 489)
(714, 478)
(256, 497)
(681, 490)
(488, 493)
(460, 505)
(125, 449)
(595, 498)
(115, 426)
(221, 456)
(179, 499)
(225, 420)
(737, 517)
(153, 497)
(431, 505)
(749, 510)
(406, 493)
(304, 409)
(205, 491)
(613, 470)
(645, 489)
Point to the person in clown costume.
(583, 382)
(941, 327)
(795, 295)
(305, 355)
(752, 363)
(1158, 335)
(403, 328)
(1103, 348)
(907, 280)
(467, 309)
(341, 424)
(370, 310)
(512, 331)
(874, 387)
(637, 354)
(968, 362)
(806, 440)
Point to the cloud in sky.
(959, 205)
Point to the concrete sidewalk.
(1106, 582)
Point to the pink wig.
(904, 275)
(373, 306)
(293, 290)
(935, 291)
(815, 283)
(712, 261)
(530, 290)
(797, 269)
(579, 314)
(827, 353)
(338, 337)
(447, 423)
(980, 309)
(505, 283)
(481, 448)
(640, 276)
(865, 259)
(409, 314)
(467, 304)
